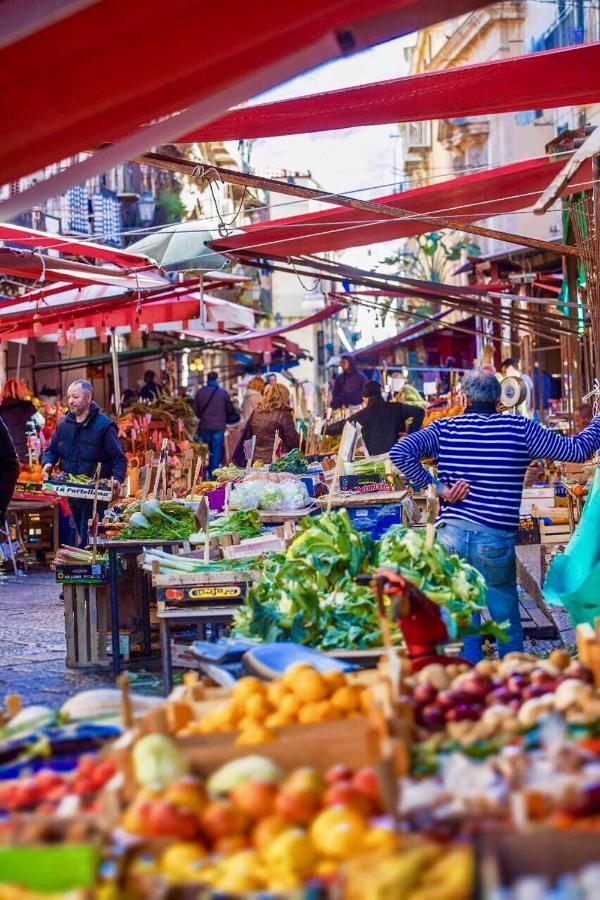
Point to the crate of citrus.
(323, 714)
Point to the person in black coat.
(9, 470)
(381, 422)
(349, 386)
(16, 411)
(84, 438)
(150, 390)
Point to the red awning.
(42, 268)
(258, 334)
(101, 73)
(569, 76)
(31, 239)
(470, 198)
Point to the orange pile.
(303, 695)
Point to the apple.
(365, 780)
(256, 799)
(424, 693)
(222, 818)
(304, 779)
(346, 795)
(461, 713)
(540, 676)
(266, 830)
(188, 793)
(337, 773)
(515, 684)
(229, 844)
(298, 806)
(167, 820)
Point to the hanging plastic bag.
(573, 579)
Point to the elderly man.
(482, 457)
(84, 438)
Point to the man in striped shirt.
(481, 458)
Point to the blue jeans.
(215, 441)
(491, 552)
(82, 510)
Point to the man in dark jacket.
(84, 438)
(213, 407)
(9, 470)
(382, 422)
(150, 390)
(349, 386)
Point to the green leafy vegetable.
(294, 462)
(308, 595)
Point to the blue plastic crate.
(375, 519)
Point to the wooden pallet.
(86, 625)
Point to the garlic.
(434, 674)
(533, 709)
(571, 692)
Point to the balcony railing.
(577, 23)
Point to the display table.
(280, 516)
(129, 548)
(37, 516)
(195, 598)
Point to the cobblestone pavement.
(32, 642)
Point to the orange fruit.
(246, 688)
(257, 707)
(309, 686)
(338, 832)
(346, 699)
(276, 691)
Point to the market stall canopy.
(180, 246)
(569, 76)
(74, 79)
(40, 267)
(104, 306)
(372, 351)
(31, 239)
(469, 198)
(327, 312)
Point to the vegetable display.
(158, 520)
(444, 578)
(245, 522)
(259, 493)
(294, 461)
(228, 473)
(308, 595)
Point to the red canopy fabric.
(35, 240)
(569, 76)
(470, 198)
(101, 73)
(39, 267)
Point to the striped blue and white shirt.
(491, 451)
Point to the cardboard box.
(364, 484)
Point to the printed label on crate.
(207, 593)
(78, 491)
(92, 573)
(364, 484)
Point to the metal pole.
(115, 368)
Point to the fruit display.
(447, 412)
(45, 790)
(256, 709)
(252, 827)
(500, 699)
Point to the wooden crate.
(86, 625)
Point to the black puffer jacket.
(80, 446)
